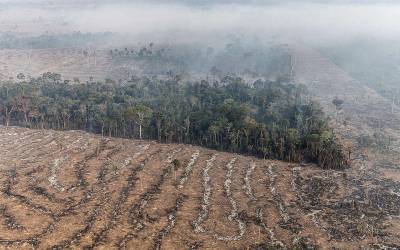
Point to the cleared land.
(72, 63)
(77, 190)
(368, 124)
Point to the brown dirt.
(115, 193)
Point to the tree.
(7, 107)
(26, 107)
(141, 115)
(8, 104)
(338, 105)
(21, 76)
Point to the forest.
(267, 119)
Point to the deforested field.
(76, 190)
(72, 63)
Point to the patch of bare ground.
(148, 185)
(263, 213)
(193, 211)
(77, 190)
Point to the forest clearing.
(77, 190)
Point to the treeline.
(237, 57)
(268, 119)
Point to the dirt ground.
(81, 191)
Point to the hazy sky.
(310, 22)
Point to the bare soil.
(128, 194)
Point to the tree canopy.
(266, 119)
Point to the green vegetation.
(267, 119)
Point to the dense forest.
(268, 119)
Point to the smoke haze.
(316, 23)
